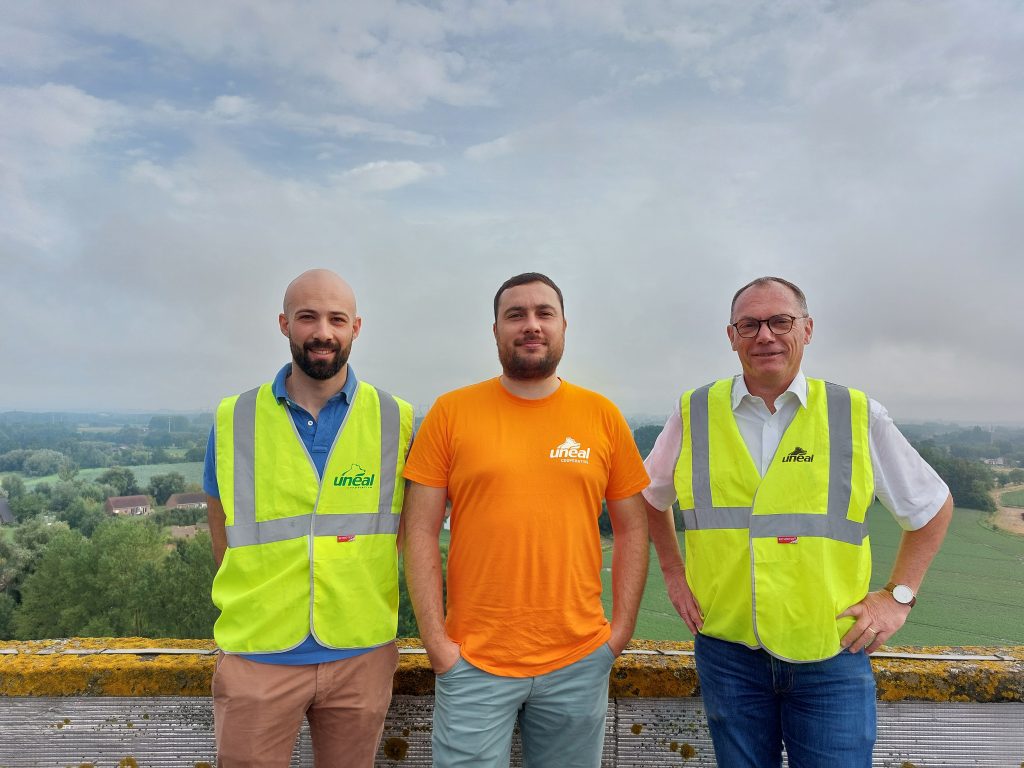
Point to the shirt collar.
(798, 387)
(346, 393)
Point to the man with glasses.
(774, 473)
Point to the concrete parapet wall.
(147, 667)
(143, 702)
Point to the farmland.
(1013, 499)
(192, 472)
(973, 594)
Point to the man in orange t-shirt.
(526, 460)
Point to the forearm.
(662, 528)
(218, 531)
(425, 581)
(423, 515)
(918, 548)
(629, 566)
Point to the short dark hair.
(762, 281)
(525, 279)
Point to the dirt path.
(1009, 518)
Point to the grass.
(192, 471)
(1013, 499)
(973, 594)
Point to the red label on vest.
(346, 538)
(786, 539)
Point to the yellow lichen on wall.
(44, 668)
(914, 679)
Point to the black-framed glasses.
(748, 327)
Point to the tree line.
(39, 450)
(69, 569)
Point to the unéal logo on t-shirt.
(571, 452)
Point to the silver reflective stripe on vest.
(700, 450)
(712, 518)
(246, 531)
(244, 435)
(390, 427)
(834, 525)
(349, 525)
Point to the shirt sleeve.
(210, 485)
(627, 475)
(904, 482)
(429, 461)
(661, 463)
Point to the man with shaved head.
(304, 482)
(774, 473)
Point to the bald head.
(322, 283)
(321, 323)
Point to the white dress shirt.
(904, 482)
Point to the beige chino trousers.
(258, 709)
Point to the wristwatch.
(901, 593)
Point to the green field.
(192, 471)
(973, 594)
(1012, 499)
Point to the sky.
(167, 168)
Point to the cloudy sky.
(166, 169)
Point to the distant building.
(129, 505)
(995, 462)
(186, 501)
(184, 531)
(6, 516)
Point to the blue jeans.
(561, 715)
(823, 711)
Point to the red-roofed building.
(129, 505)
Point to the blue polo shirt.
(318, 436)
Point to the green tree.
(43, 462)
(14, 486)
(68, 469)
(184, 605)
(121, 479)
(162, 486)
(28, 506)
(7, 606)
(32, 539)
(99, 587)
(645, 436)
(196, 453)
(84, 515)
(12, 559)
(969, 481)
(55, 598)
(127, 556)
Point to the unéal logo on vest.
(354, 477)
(797, 454)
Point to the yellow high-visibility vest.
(772, 561)
(304, 555)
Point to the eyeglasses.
(748, 327)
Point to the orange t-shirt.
(526, 479)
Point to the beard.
(521, 367)
(321, 370)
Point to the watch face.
(902, 593)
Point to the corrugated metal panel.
(171, 731)
(655, 732)
(950, 735)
